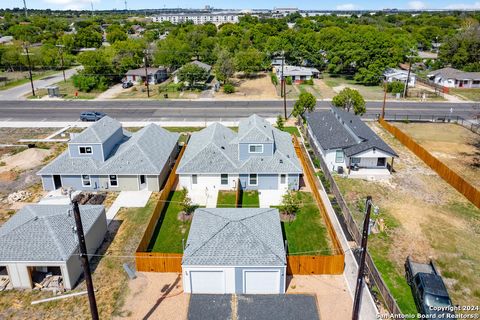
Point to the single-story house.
(206, 67)
(107, 157)
(454, 78)
(155, 75)
(298, 74)
(347, 144)
(260, 157)
(400, 75)
(40, 239)
(235, 250)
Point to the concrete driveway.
(128, 199)
(269, 198)
(19, 92)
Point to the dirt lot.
(258, 87)
(424, 217)
(456, 146)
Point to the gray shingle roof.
(44, 232)
(202, 65)
(215, 150)
(143, 152)
(99, 132)
(451, 73)
(228, 236)
(338, 129)
(141, 71)
(296, 71)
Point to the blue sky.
(246, 4)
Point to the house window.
(255, 148)
(224, 179)
(85, 150)
(381, 162)
(356, 160)
(113, 181)
(283, 178)
(339, 156)
(86, 180)
(253, 179)
(194, 179)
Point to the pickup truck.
(429, 291)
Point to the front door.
(57, 182)
(143, 182)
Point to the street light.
(363, 254)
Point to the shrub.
(228, 88)
(288, 80)
(86, 83)
(274, 78)
(290, 203)
(308, 82)
(280, 122)
(395, 87)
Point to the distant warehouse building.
(198, 18)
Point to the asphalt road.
(144, 110)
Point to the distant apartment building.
(198, 18)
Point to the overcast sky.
(244, 4)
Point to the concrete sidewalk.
(128, 199)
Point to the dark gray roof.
(99, 132)
(44, 232)
(451, 73)
(215, 150)
(338, 129)
(141, 71)
(228, 236)
(144, 152)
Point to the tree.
(192, 73)
(290, 203)
(280, 122)
(116, 34)
(306, 102)
(172, 53)
(89, 37)
(185, 201)
(249, 61)
(225, 66)
(348, 99)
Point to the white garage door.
(207, 282)
(262, 281)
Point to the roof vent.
(281, 160)
(222, 147)
(350, 121)
(35, 218)
(288, 156)
(331, 128)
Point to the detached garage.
(235, 251)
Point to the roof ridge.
(213, 235)
(34, 217)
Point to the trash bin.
(165, 95)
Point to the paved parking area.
(253, 307)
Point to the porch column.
(391, 166)
(349, 165)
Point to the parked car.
(91, 115)
(127, 85)
(428, 289)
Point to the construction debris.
(18, 196)
(90, 198)
(5, 283)
(50, 283)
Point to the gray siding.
(75, 181)
(97, 153)
(265, 182)
(243, 154)
(48, 183)
(111, 142)
(293, 181)
(152, 183)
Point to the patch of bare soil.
(257, 87)
(27, 159)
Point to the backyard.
(226, 199)
(109, 277)
(456, 146)
(421, 216)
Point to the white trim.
(85, 146)
(248, 180)
(256, 145)
(110, 181)
(89, 179)
(244, 278)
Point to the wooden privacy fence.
(332, 264)
(450, 176)
(172, 178)
(158, 262)
(353, 229)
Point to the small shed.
(53, 91)
(40, 241)
(235, 250)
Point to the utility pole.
(25, 8)
(84, 259)
(283, 87)
(363, 253)
(145, 59)
(91, 4)
(62, 61)
(405, 90)
(29, 67)
(384, 97)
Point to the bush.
(171, 87)
(274, 78)
(395, 87)
(87, 83)
(288, 80)
(280, 122)
(308, 82)
(228, 88)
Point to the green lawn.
(226, 199)
(292, 130)
(170, 231)
(67, 91)
(466, 94)
(35, 76)
(307, 234)
(250, 199)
